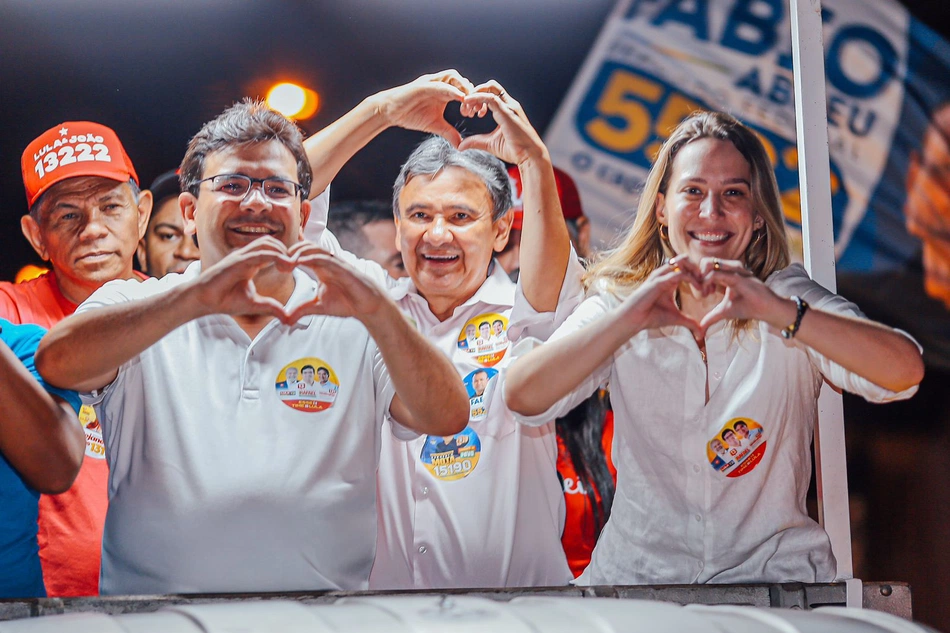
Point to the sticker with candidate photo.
(475, 384)
(451, 457)
(307, 384)
(737, 448)
(95, 448)
(485, 338)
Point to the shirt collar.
(497, 289)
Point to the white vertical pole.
(811, 126)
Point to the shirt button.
(698, 517)
(695, 468)
(717, 375)
(423, 549)
(425, 491)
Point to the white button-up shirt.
(484, 508)
(692, 506)
(221, 481)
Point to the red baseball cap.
(74, 148)
(566, 192)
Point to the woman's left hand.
(746, 297)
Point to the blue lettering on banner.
(628, 114)
(696, 19)
(886, 55)
(753, 27)
(743, 20)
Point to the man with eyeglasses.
(86, 216)
(220, 483)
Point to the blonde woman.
(698, 320)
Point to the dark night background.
(156, 70)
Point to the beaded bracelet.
(801, 308)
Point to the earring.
(665, 233)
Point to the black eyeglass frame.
(297, 187)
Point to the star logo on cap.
(63, 131)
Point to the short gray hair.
(435, 154)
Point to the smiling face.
(446, 235)
(291, 374)
(307, 375)
(165, 247)
(224, 224)
(708, 205)
(88, 229)
(324, 375)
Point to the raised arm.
(41, 437)
(429, 396)
(84, 351)
(545, 242)
(536, 381)
(418, 105)
(871, 350)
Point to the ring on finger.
(672, 263)
(501, 95)
(716, 265)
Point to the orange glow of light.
(293, 101)
(29, 272)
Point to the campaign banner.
(655, 61)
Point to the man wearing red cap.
(578, 226)
(86, 218)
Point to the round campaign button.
(475, 384)
(485, 338)
(451, 457)
(307, 384)
(737, 448)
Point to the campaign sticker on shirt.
(485, 338)
(451, 457)
(95, 448)
(307, 384)
(476, 383)
(737, 448)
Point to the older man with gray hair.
(488, 513)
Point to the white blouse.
(713, 492)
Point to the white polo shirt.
(485, 508)
(219, 483)
(676, 518)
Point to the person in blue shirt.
(41, 450)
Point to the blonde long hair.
(624, 268)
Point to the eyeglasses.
(237, 186)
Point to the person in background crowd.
(578, 226)
(588, 475)
(927, 207)
(41, 449)
(698, 319)
(486, 511)
(165, 247)
(366, 229)
(86, 217)
(219, 483)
